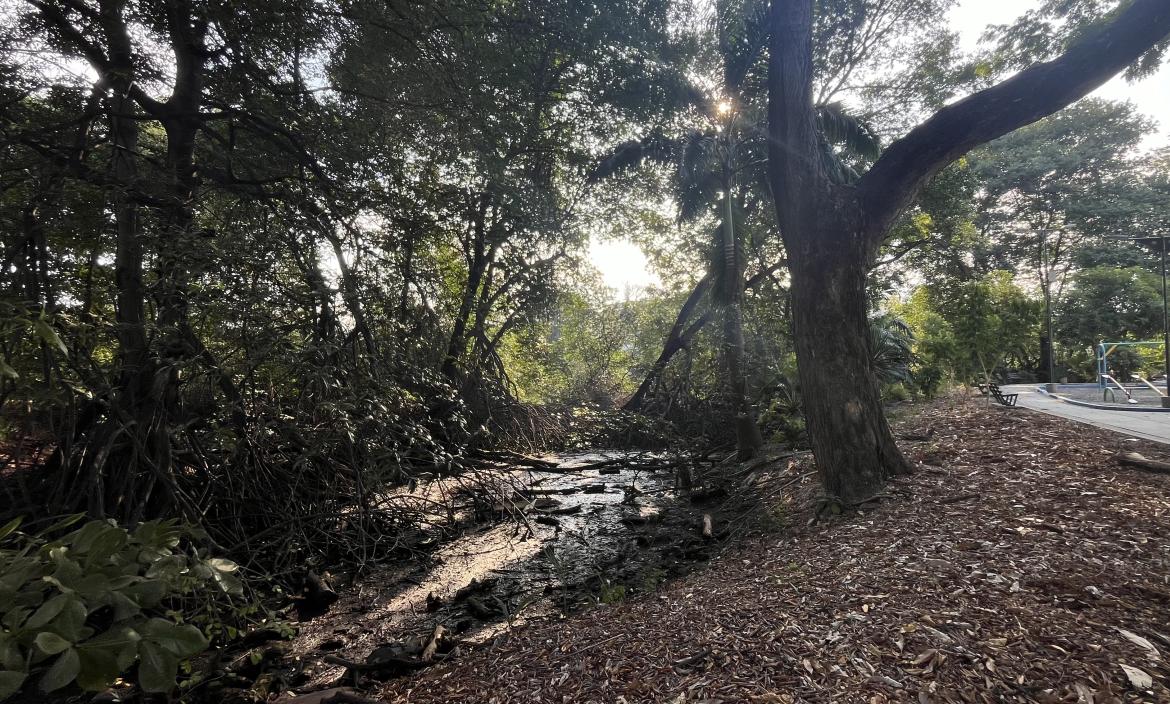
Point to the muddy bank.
(568, 532)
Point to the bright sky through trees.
(625, 268)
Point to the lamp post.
(1046, 277)
(1165, 329)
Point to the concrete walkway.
(1149, 426)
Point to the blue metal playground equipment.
(1104, 349)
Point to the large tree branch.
(893, 182)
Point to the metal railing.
(1155, 388)
(1129, 397)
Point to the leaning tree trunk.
(851, 439)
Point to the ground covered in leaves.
(1020, 563)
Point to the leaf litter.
(1021, 563)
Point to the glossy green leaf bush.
(90, 605)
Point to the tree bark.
(477, 261)
(821, 224)
(852, 442)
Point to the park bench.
(993, 389)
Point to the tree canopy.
(268, 267)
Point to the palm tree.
(719, 170)
(891, 345)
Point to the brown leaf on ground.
(1035, 585)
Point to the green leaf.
(51, 643)
(48, 611)
(181, 640)
(63, 523)
(124, 606)
(49, 335)
(15, 618)
(10, 658)
(63, 671)
(12, 525)
(106, 544)
(10, 683)
(147, 593)
(223, 571)
(7, 371)
(122, 641)
(99, 668)
(157, 668)
(70, 623)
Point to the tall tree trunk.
(731, 297)
(852, 442)
(130, 309)
(829, 247)
(747, 433)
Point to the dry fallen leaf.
(773, 698)
(1084, 693)
(1138, 678)
(1141, 642)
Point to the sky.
(625, 268)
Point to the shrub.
(87, 606)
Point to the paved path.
(1150, 426)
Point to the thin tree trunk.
(476, 266)
(747, 433)
(131, 292)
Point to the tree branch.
(893, 182)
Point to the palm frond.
(743, 33)
(891, 344)
(696, 155)
(697, 194)
(632, 154)
(840, 128)
(838, 170)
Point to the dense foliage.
(92, 603)
(267, 267)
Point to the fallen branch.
(1133, 459)
(693, 660)
(957, 499)
(336, 695)
(519, 459)
(432, 646)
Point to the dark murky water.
(568, 538)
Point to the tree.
(1108, 303)
(500, 190)
(720, 171)
(1053, 187)
(832, 232)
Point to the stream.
(584, 533)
